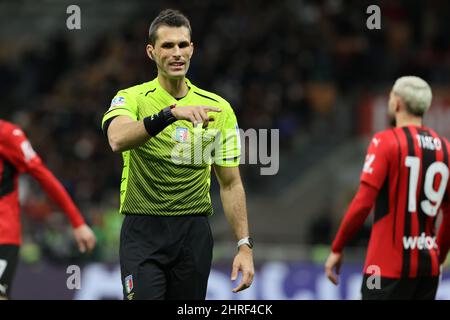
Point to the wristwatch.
(247, 240)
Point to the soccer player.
(405, 176)
(16, 157)
(160, 126)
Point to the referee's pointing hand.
(195, 114)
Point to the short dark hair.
(168, 17)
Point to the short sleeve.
(16, 148)
(123, 104)
(229, 150)
(376, 164)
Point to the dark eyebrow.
(170, 43)
(167, 43)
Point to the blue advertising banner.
(275, 280)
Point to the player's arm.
(84, 236)
(233, 200)
(354, 219)
(124, 133)
(359, 209)
(373, 176)
(443, 238)
(17, 149)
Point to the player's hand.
(243, 262)
(195, 114)
(85, 238)
(334, 262)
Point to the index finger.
(213, 109)
(244, 282)
(81, 246)
(91, 244)
(331, 276)
(242, 286)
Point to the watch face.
(250, 241)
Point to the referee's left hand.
(243, 261)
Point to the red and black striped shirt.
(408, 169)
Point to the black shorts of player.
(8, 263)
(420, 288)
(165, 257)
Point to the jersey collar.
(175, 101)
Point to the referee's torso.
(169, 175)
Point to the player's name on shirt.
(429, 142)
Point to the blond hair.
(415, 92)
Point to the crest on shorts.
(129, 283)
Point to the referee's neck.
(177, 88)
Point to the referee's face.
(172, 51)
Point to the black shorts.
(165, 257)
(420, 288)
(8, 263)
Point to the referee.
(166, 242)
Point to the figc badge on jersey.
(181, 134)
